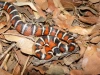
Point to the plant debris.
(80, 17)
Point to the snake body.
(49, 36)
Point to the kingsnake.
(50, 36)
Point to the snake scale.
(49, 36)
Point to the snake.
(50, 37)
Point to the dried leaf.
(22, 0)
(2, 24)
(94, 1)
(22, 42)
(40, 68)
(0, 47)
(66, 69)
(26, 11)
(71, 59)
(95, 39)
(21, 57)
(32, 71)
(81, 44)
(5, 25)
(42, 4)
(62, 20)
(39, 2)
(54, 13)
(98, 45)
(81, 31)
(88, 8)
(3, 72)
(17, 70)
(68, 5)
(88, 13)
(9, 0)
(54, 69)
(90, 66)
(61, 24)
(76, 72)
(68, 18)
(26, 3)
(71, 2)
(7, 16)
(51, 6)
(39, 13)
(89, 20)
(58, 4)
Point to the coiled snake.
(50, 36)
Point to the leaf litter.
(81, 17)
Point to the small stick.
(5, 60)
(25, 65)
(12, 45)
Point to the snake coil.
(50, 36)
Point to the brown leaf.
(4, 28)
(55, 69)
(21, 57)
(66, 69)
(26, 3)
(81, 43)
(40, 12)
(61, 24)
(33, 72)
(98, 45)
(90, 19)
(17, 70)
(67, 19)
(41, 69)
(9, 0)
(71, 3)
(51, 6)
(86, 8)
(42, 4)
(71, 59)
(24, 10)
(3, 72)
(39, 2)
(67, 4)
(0, 47)
(94, 1)
(62, 20)
(2, 24)
(22, 0)
(7, 18)
(58, 4)
(81, 30)
(22, 42)
(95, 39)
(5, 23)
(88, 13)
(90, 64)
(76, 72)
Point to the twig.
(5, 60)
(7, 51)
(25, 65)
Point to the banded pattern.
(53, 46)
(27, 29)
